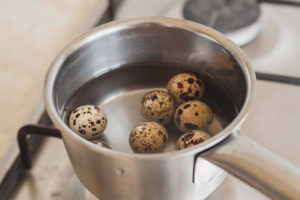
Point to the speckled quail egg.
(193, 115)
(191, 138)
(101, 144)
(184, 87)
(148, 137)
(158, 106)
(88, 121)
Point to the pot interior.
(117, 66)
(120, 91)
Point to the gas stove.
(278, 93)
(273, 49)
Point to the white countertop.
(32, 33)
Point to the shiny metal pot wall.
(185, 174)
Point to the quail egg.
(191, 138)
(184, 87)
(193, 115)
(88, 121)
(101, 144)
(158, 106)
(148, 137)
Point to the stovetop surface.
(274, 50)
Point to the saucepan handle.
(256, 166)
(23, 140)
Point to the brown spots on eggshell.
(179, 111)
(154, 97)
(86, 121)
(83, 132)
(179, 85)
(157, 106)
(160, 132)
(191, 138)
(187, 136)
(148, 137)
(186, 106)
(101, 144)
(190, 126)
(185, 96)
(191, 80)
(198, 116)
(185, 87)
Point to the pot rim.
(87, 37)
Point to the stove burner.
(238, 19)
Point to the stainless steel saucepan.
(113, 65)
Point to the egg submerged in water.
(193, 115)
(158, 106)
(191, 138)
(88, 121)
(185, 87)
(101, 144)
(148, 137)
